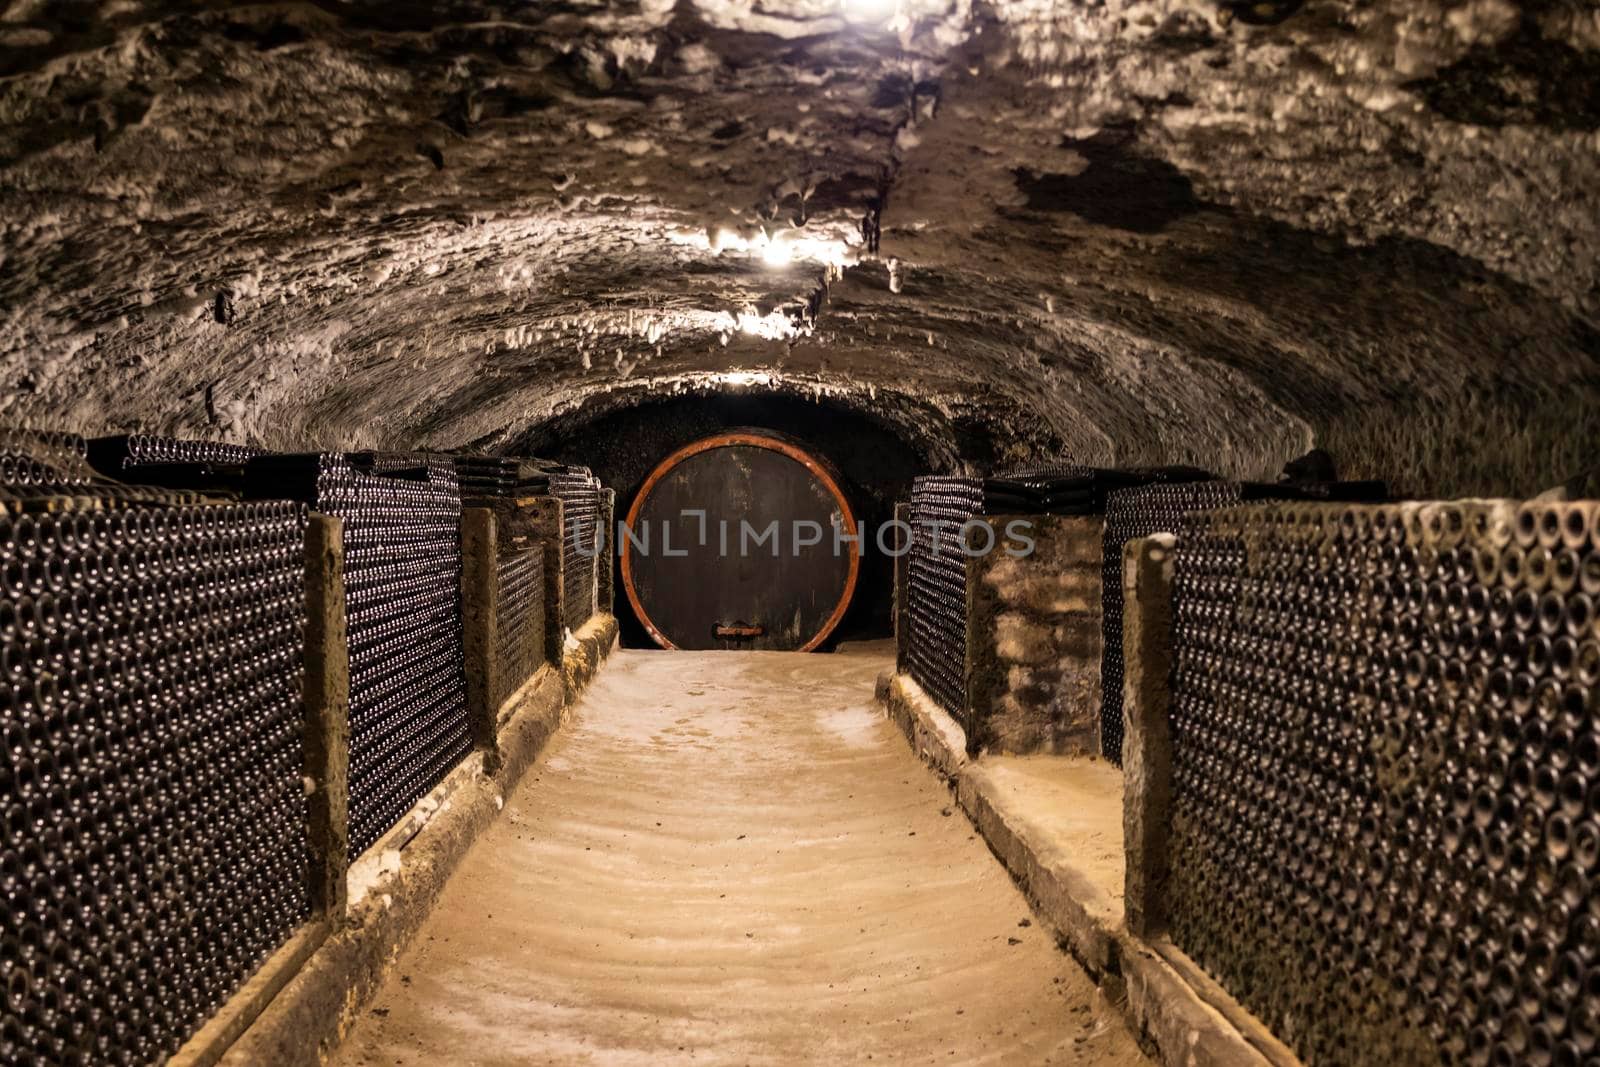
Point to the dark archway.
(877, 463)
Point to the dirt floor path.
(732, 858)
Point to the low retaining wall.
(1189, 1021)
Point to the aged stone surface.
(212, 1041)
(1147, 571)
(1139, 230)
(1033, 639)
(479, 629)
(327, 711)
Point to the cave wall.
(1133, 231)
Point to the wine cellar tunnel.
(798, 531)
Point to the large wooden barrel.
(725, 580)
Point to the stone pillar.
(480, 600)
(902, 592)
(605, 578)
(982, 679)
(1147, 572)
(327, 716)
(545, 522)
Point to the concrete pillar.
(605, 579)
(1147, 573)
(480, 600)
(545, 523)
(902, 591)
(327, 716)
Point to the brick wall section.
(1033, 640)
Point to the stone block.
(1033, 640)
(480, 581)
(1019, 639)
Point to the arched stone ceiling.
(1133, 230)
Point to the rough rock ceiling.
(1138, 230)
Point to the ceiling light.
(868, 10)
(776, 252)
(744, 377)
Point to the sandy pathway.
(733, 859)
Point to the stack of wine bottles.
(402, 560)
(1386, 776)
(125, 452)
(486, 479)
(1065, 489)
(1130, 514)
(581, 537)
(936, 603)
(200, 466)
(519, 614)
(1168, 506)
(150, 713)
(31, 460)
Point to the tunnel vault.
(1140, 231)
